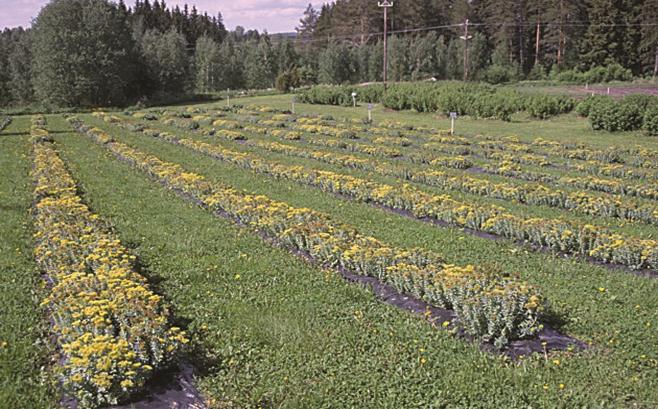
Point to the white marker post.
(354, 99)
(453, 116)
(608, 90)
(293, 103)
(228, 97)
(369, 112)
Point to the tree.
(649, 38)
(335, 66)
(208, 65)
(20, 70)
(166, 60)
(259, 64)
(603, 39)
(81, 54)
(307, 24)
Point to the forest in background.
(81, 53)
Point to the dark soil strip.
(548, 339)
(170, 390)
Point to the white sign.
(453, 115)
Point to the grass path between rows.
(23, 349)
(291, 336)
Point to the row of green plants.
(112, 331)
(491, 306)
(556, 234)
(473, 99)
(633, 112)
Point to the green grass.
(23, 350)
(286, 334)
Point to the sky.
(274, 15)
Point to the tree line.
(100, 53)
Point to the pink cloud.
(273, 16)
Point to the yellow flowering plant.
(111, 329)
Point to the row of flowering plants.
(491, 306)
(561, 235)
(112, 331)
(593, 183)
(501, 149)
(533, 194)
(500, 164)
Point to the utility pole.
(385, 5)
(466, 37)
(537, 38)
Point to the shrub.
(650, 125)
(615, 116)
(288, 80)
(546, 106)
(585, 106)
(498, 74)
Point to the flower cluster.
(488, 305)
(111, 329)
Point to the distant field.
(572, 216)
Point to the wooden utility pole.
(466, 37)
(385, 5)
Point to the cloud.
(273, 16)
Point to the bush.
(546, 106)
(288, 80)
(650, 123)
(614, 116)
(585, 106)
(498, 74)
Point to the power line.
(501, 24)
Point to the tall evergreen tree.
(603, 40)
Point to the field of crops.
(319, 260)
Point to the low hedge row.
(632, 113)
(473, 99)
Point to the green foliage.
(612, 116)
(650, 123)
(166, 60)
(81, 54)
(546, 106)
(612, 72)
(208, 65)
(498, 74)
(288, 80)
(335, 64)
(585, 106)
